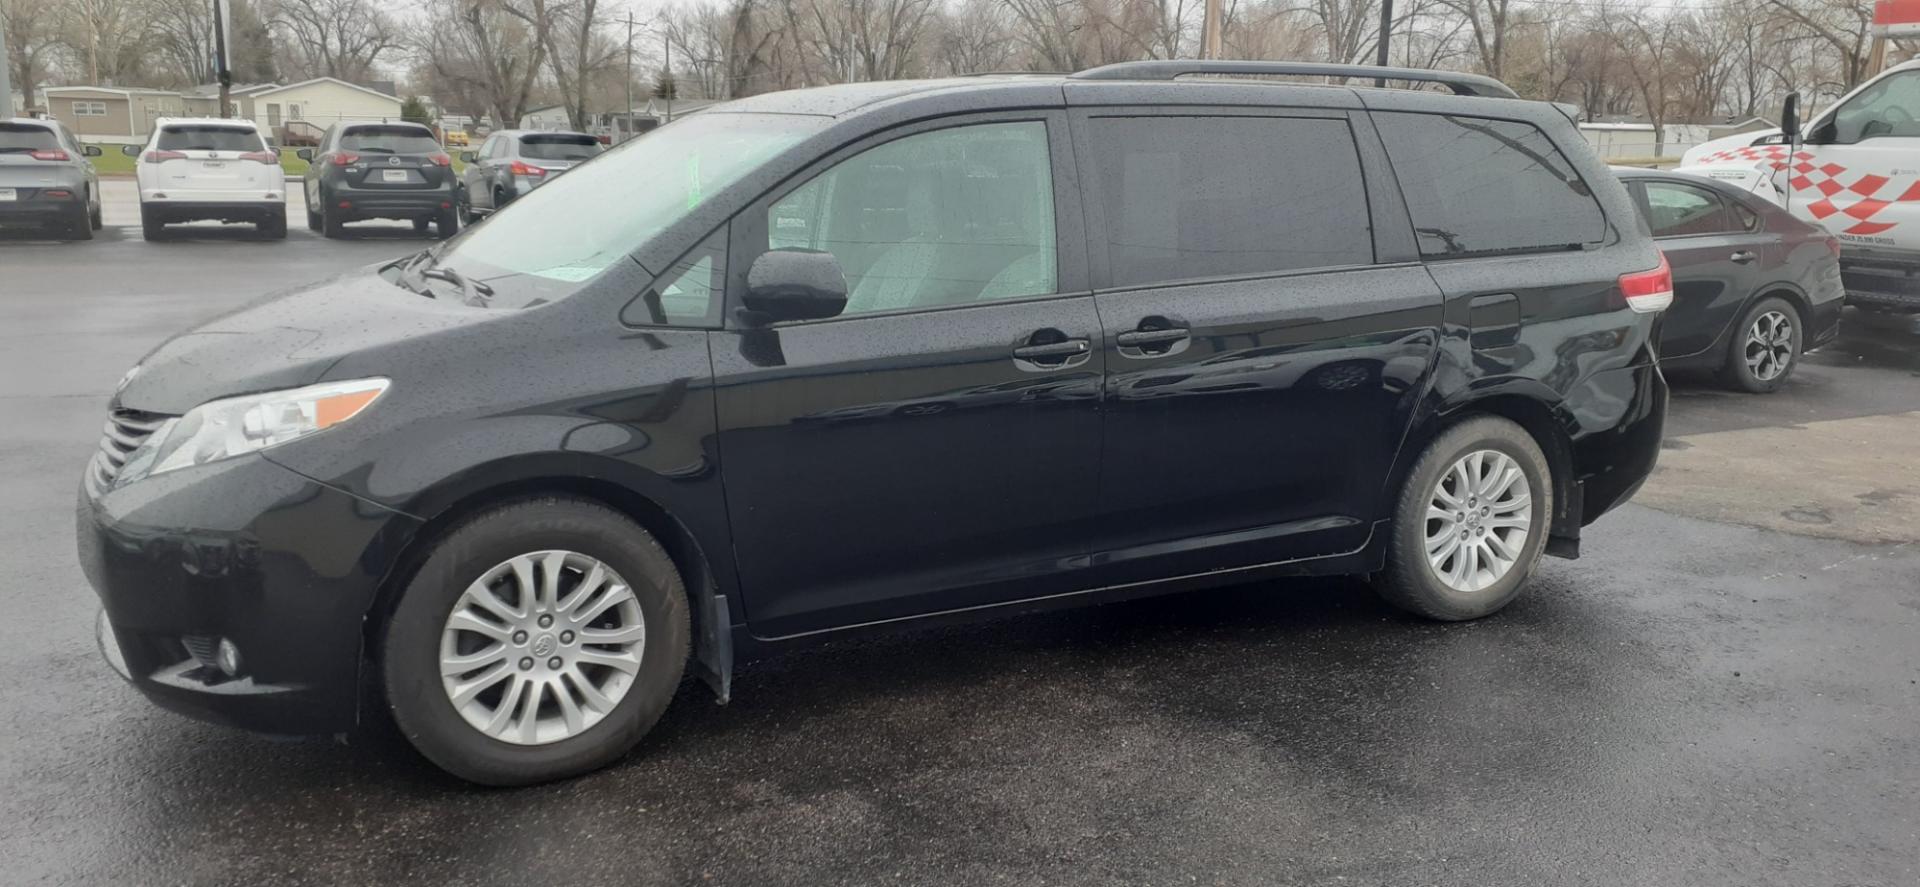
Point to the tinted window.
(1677, 210)
(1188, 197)
(388, 140)
(1475, 185)
(938, 218)
(16, 138)
(688, 293)
(208, 138)
(1890, 107)
(555, 146)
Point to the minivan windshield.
(388, 140)
(558, 146)
(208, 138)
(554, 239)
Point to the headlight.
(235, 426)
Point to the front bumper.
(282, 566)
(1882, 284)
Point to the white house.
(320, 102)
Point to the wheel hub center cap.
(544, 645)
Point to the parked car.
(456, 138)
(46, 181)
(1753, 287)
(513, 162)
(596, 455)
(194, 169)
(1850, 170)
(380, 171)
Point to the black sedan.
(1753, 287)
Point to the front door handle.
(1050, 349)
(1743, 256)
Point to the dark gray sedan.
(1753, 287)
(46, 181)
(512, 162)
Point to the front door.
(1261, 367)
(1859, 171)
(936, 445)
(1715, 250)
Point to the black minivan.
(883, 354)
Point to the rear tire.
(446, 224)
(1765, 347)
(93, 218)
(80, 224)
(1485, 566)
(273, 227)
(422, 634)
(313, 219)
(151, 228)
(332, 226)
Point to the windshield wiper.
(475, 292)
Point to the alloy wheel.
(1769, 346)
(1478, 519)
(541, 647)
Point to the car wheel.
(313, 219)
(499, 200)
(1765, 347)
(540, 639)
(331, 225)
(446, 224)
(151, 227)
(93, 218)
(1470, 523)
(79, 224)
(466, 208)
(273, 227)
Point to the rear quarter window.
(208, 138)
(1480, 186)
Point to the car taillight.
(526, 169)
(267, 157)
(1649, 291)
(441, 160)
(158, 156)
(53, 154)
(342, 158)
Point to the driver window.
(939, 218)
(1887, 108)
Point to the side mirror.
(795, 284)
(466, 156)
(130, 150)
(90, 150)
(1790, 117)
(304, 154)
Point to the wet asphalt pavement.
(1691, 703)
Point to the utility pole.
(1386, 31)
(6, 72)
(628, 125)
(1210, 31)
(222, 68)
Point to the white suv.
(209, 168)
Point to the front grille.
(126, 431)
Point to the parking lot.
(1723, 690)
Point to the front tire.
(1470, 522)
(559, 601)
(1765, 347)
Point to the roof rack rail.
(1169, 69)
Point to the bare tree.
(482, 59)
(1844, 26)
(973, 36)
(32, 35)
(111, 38)
(333, 38)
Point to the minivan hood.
(286, 341)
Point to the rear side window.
(1478, 186)
(1677, 210)
(1193, 197)
(20, 138)
(388, 140)
(208, 138)
(558, 147)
